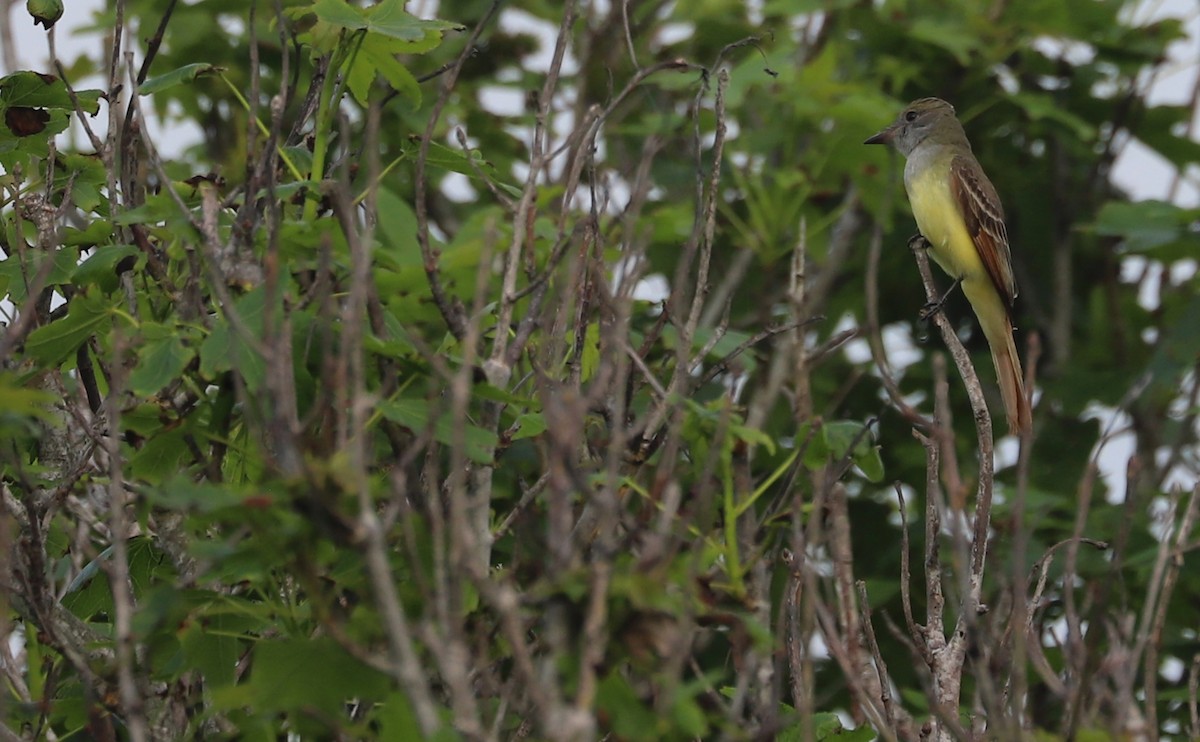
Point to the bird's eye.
(910, 116)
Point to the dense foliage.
(554, 370)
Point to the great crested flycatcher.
(959, 213)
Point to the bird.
(959, 214)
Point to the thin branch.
(972, 603)
(917, 637)
(874, 335)
(1182, 536)
(891, 713)
(449, 307)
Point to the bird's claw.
(918, 242)
(924, 317)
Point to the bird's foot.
(931, 308)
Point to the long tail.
(998, 329)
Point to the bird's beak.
(884, 137)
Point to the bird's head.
(918, 121)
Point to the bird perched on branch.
(959, 214)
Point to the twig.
(449, 307)
(527, 498)
(723, 364)
(870, 703)
(949, 683)
(933, 638)
(943, 433)
(496, 367)
(1016, 686)
(700, 241)
(875, 336)
(129, 160)
(881, 670)
(917, 637)
(1182, 535)
(118, 566)
(1193, 691)
(628, 33)
(1076, 656)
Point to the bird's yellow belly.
(940, 222)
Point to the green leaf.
(589, 359)
(456, 161)
(1174, 356)
(157, 208)
(19, 145)
(1040, 106)
(832, 443)
(35, 90)
(96, 233)
(23, 402)
(224, 349)
(1164, 128)
(528, 425)
(340, 13)
(387, 18)
(946, 34)
(45, 12)
(17, 274)
(841, 435)
(753, 436)
(398, 229)
(688, 716)
(209, 649)
(161, 456)
(415, 414)
(148, 564)
(630, 718)
(396, 718)
(88, 313)
(182, 494)
(869, 461)
(86, 193)
(285, 676)
(1147, 225)
(187, 73)
(379, 55)
(87, 596)
(829, 726)
(161, 359)
(100, 267)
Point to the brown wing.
(984, 216)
